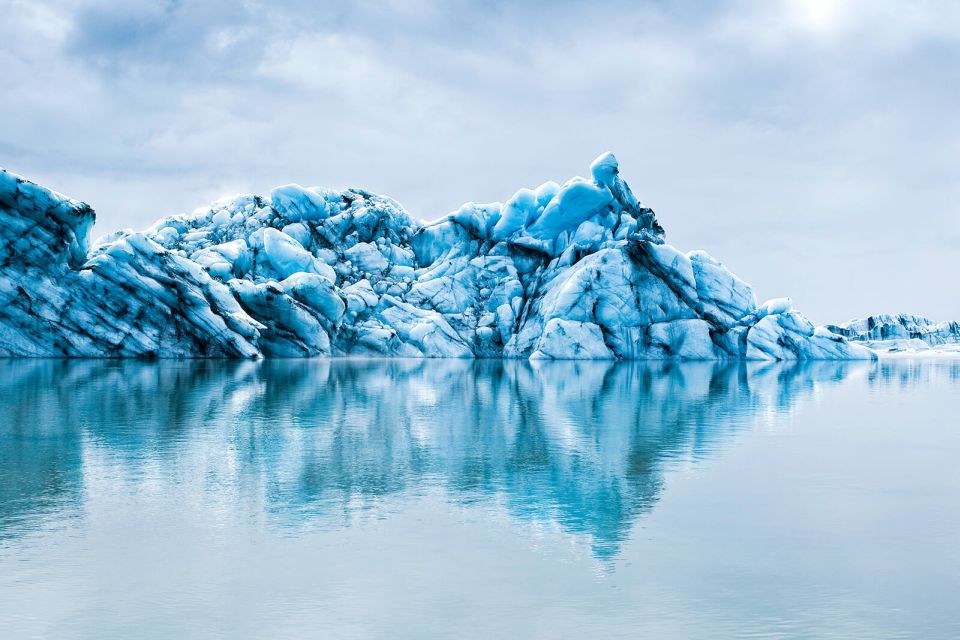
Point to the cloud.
(811, 145)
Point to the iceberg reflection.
(315, 443)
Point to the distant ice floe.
(578, 271)
(903, 335)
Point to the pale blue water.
(440, 499)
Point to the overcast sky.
(814, 147)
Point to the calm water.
(436, 499)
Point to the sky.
(812, 146)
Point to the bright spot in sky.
(817, 15)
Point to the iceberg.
(902, 333)
(573, 271)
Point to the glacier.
(902, 333)
(573, 271)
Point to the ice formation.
(901, 333)
(573, 271)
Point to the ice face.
(901, 333)
(42, 227)
(576, 271)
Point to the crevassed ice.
(901, 333)
(573, 271)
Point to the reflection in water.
(913, 372)
(582, 445)
(478, 499)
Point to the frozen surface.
(578, 270)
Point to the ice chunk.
(289, 257)
(427, 330)
(366, 257)
(295, 203)
(605, 169)
(63, 225)
(683, 339)
(516, 214)
(316, 292)
(774, 307)
(478, 219)
(568, 339)
(787, 335)
(576, 202)
(299, 232)
(545, 193)
(899, 332)
(606, 172)
(723, 296)
(360, 297)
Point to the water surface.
(414, 499)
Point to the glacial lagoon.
(478, 499)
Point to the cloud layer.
(811, 145)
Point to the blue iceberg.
(573, 271)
